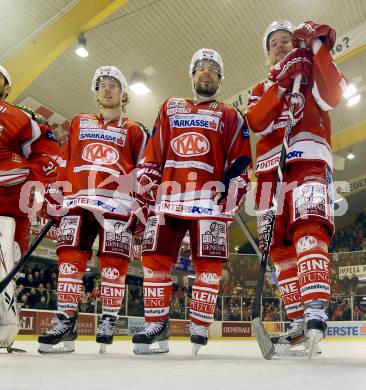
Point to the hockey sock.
(158, 287)
(72, 265)
(313, 261)
(112, 288)
(288, 285)
(157, 295)
(204, 296)
(314, 275)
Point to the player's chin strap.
(265, 344)
(10, 276)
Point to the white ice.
(220, 365)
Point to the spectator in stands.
(42, 304)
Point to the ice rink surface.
(220, 365)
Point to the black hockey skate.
(105, 331)
(294, 342)
(316, 326)
(287, 344)
(199, 336)
(154, 332)
(316, 330)
(63, 331)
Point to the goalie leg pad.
(9, 254)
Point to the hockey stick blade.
(265, 344)
(10, 276)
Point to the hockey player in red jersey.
(29, 154)
(194, 143)
(304, 222)
(102, 152)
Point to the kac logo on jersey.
(190, 145)
(68, 269)
(100, 154)
(110, 273)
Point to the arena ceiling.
(38, 39)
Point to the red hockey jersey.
(99, 160)
(28, 148)
(194, 144)
(310, 137)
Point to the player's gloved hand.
(232, 201)
(298, 61)
(53, 200)
(148, 181)
(310, 30)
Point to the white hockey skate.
(154, 332)
(61, 338)
(199, 336)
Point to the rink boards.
(35, 322)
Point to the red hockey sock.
(72, 265)
(314, 275)
(157, 295)
(204, 296)
(112, 287)
(288, 285)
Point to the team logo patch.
(213, 239)
(110, 273)
(116, 239)
(98, 153)
(310, 199)
(190, 145)
(176, 103)
(306, 243)
(149, 240)
(68, 269)
(69, 227)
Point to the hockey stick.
(265, 344)
(10, 276)
(240, 221)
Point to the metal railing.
(228, 307)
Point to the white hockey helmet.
(109, 71)
(277, 25)
(5, 73)
(207, 54)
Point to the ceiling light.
(350, 91)
(139, 88)
(350, 155)
(353, 100)
(81, 50)
(138, 85)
